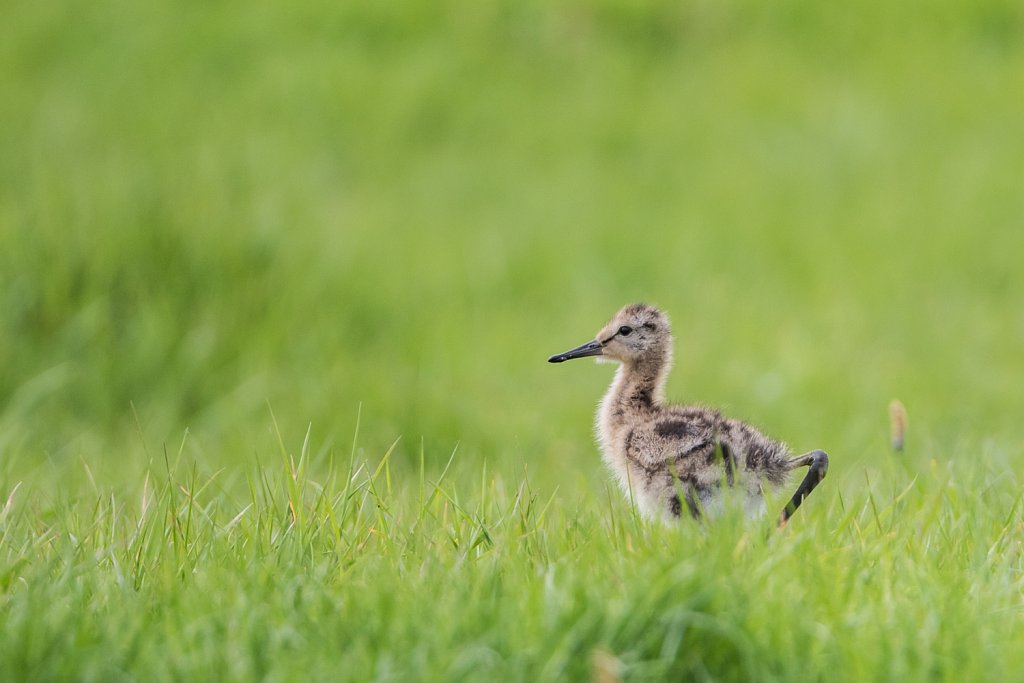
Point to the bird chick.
(671, 458)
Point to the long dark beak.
(592, 348)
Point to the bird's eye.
(625, 330)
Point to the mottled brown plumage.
(675, 460)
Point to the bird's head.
(634, 334)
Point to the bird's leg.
(818, 463)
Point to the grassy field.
(277, 284)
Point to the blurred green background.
(209, 207)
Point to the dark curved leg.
(818, 462)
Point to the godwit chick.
(668, 456)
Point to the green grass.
(372, 573)
(210, 214)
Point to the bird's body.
(675, 460)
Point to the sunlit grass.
(364, 570)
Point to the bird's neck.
(639, 386)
